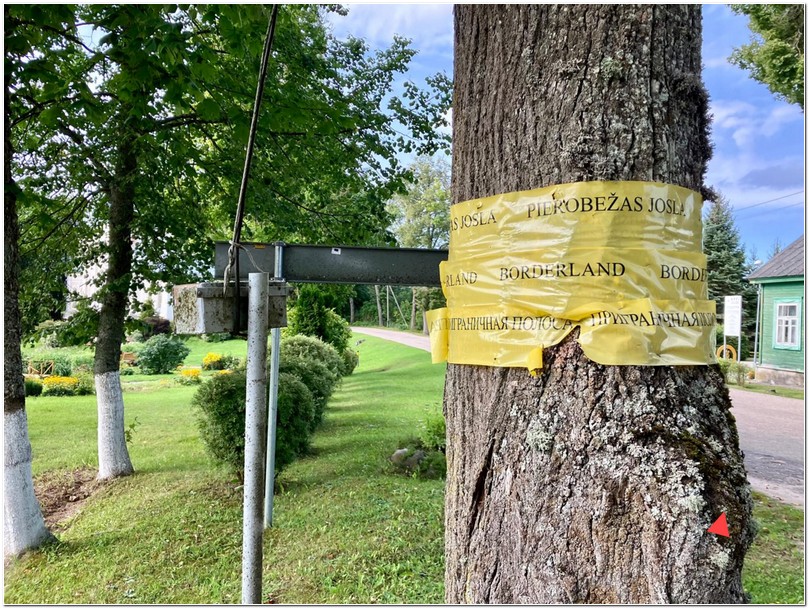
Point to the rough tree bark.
(23, 526)
(642, 459)
(113, 456)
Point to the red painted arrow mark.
(720, 527)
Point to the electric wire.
(746, 207)
(239, 220)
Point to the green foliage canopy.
(727, 267)
(421, 213)
(775, 56)
(159, 98)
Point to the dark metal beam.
(327, 264)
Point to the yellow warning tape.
(621, 261)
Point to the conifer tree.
(727, 266)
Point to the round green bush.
(310, 347)
(296, 413)
(320, 381)
(162, 354)
(336, 331)
(220, 407)
(33, 388)
(351, 360)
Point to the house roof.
(786, 263)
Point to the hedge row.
(310, 371)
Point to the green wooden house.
(781, 340)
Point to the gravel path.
(771, 431)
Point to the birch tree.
(23, 526)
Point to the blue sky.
(759, 159)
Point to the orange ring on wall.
(723, 352)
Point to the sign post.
(732, 323)
(254, 429)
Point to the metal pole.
(275, 353)
(755, 334)
(396, 301)
(254, 428)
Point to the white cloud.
(780, 117)
(747, 124)
(429, 26)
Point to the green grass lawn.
(785, 392)
(347, 530)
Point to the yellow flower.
(211, 361)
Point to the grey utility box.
(207, 308)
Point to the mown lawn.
(347, 530)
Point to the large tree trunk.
(113, 456)
(23, 525)
(640, 460)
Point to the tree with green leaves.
(775, 56)
(131, 124)
(23, 525)
(421, 219)
(421, 213)
(727, 263)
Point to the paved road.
(771, 432)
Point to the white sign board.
(733, 316)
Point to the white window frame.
(786, 328)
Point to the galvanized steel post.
(254, 429)
(275, 340)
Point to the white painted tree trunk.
(23, 525)
(113, 457)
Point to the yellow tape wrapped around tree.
(621, 261)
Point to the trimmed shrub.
(60, 385)
(162, 354)
(135, 337)
(86, 384)
(310, 347)
(220, 407)
(311, 317)
(337, 332)
(33, 388)
(320, 381)
(351, 360)
(296, 413)
(219, 404)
